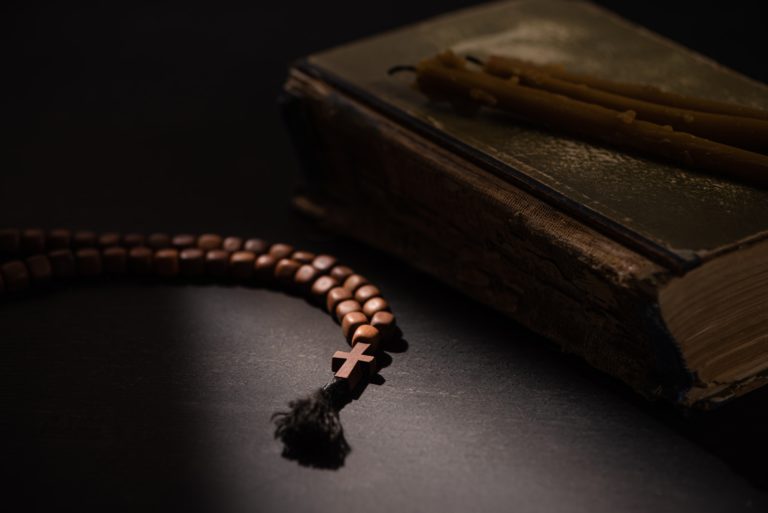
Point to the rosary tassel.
(311, 431)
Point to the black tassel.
(311, 431)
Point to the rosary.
(310, 431)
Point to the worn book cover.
(654, 273)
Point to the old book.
(655, 274)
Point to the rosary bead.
(108, 240)
(257, 246)
(384, 322)
(264, 267)
(232, 244)
(216, 262)
(341, 272)
(305, 276)
(322, 286)
(9, 240)
(366, 292)
(88, 262)
(39, 267)
(58, 239)
(241, 265)
(140, 260)
(367, 334)
(374, 305)
(286, 269)
(15, 275)
(280, 250)
(62, 263)
(133, 240)
(183, 241)
(192, 262)
(114, 259)
(345, 307)
(159, 240)
(324, 263)
(350, 323)
(166, 262)
(305, 257)
(209, 241)
(354, 282)
(335, 296)
(32, 241)
(84, 239)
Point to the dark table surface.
(147, 397)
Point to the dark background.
(164, 118)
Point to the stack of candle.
(719, 138)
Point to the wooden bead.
(108, 240)
(62, 263)
(354, 365)
(335, 296)
(305, 276)
(374, 305)
(241, 265)
(183, 241)
(209, 241)
(159, 241)
(140, 260)
(305, 257)
(324, 263)
(366, 292)
(285, 269)
(39, 268)
(10, 239)
(32, 241)
(345, 307)
(133, 240)
(264, 267)
(114, 259)
(322, 285)
(192, 262)
(367, 334)
(166, 262)
(88, 262)
(15, 276)
(384, 322)
(257, 246)
(217, 263)
(232, 244)
(341, 272)
(281, 250)
(350, 323)
(58, 239)
(354, 282)
(84, 239)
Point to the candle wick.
(475, 60)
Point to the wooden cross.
(354, 364)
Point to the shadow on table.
(735, 433)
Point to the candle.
(447, 77)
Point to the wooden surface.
(147, 397)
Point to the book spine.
(374, 180)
